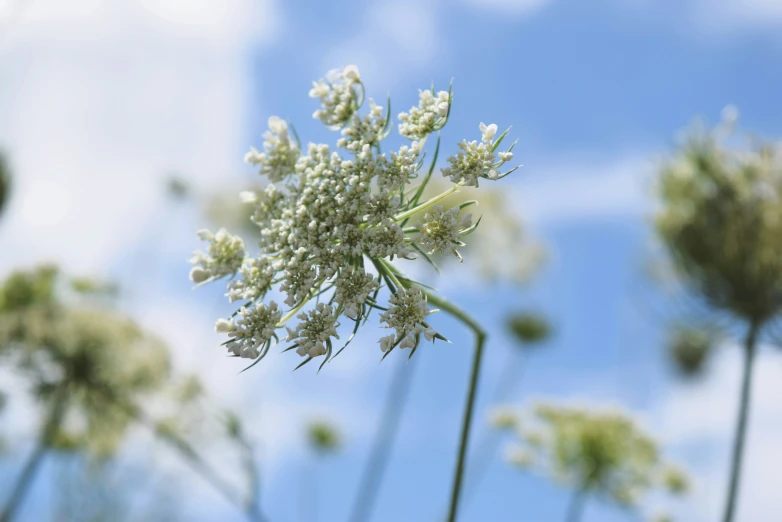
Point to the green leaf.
(499, 140)
(308, 359)
(425, 256)
(468, 231)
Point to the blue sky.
(595, 92)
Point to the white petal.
(224, 326)
(198, 274)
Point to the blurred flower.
(503, 250)
(92, 370)
(690, 347)
(529, 328)
(323, 437)
(95, 357)
(721, 220)
(601, 453)
(177, 188)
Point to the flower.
(430, 115)
(226, 254)
(477, 160)
(338, 96)
(487, 131)
(352, 289)
(313, 335)
(252, 331)
(406, 316)
(441, 230)
(279, 155)
(596, 452)
(331, 221)
(257, 275)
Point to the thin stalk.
(383, 443)
(480, 338)
(189, 455)
(576, 506)
(426, 204)
(34, 461)
(750, 347)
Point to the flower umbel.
(333, 221)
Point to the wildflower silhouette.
(91, 369)
(600, 453)
(331, 224)
(721, 222)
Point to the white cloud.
(584, 190)
(100, 99)
(739, 14)
(513, 7)
(397, 37)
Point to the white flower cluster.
(338, 96)
(279, 152)
(406, 316)
(353, 289)
(430, 115)
(313, 335)
(257, 275)
(477, 160)
(369, 130)
(331, 225)
(441, 230)
(253, 331)
(226, 253)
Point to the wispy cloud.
(587, 189)
(512, 7)
(396, 37)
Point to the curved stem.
(190, 455)
(383, 442)
(750, 345)
(25, 480)
(480, 338)
(576, 506)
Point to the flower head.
(478, 160)
(331, 223)
(225, 256)
(441, 229)
(252, 331)
(279, 153)
(313, 335)
(430, 115)
(339, 95)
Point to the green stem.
(426, 204)
(750, 345)
(25, 480)
(388, 269)
(480, 338)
